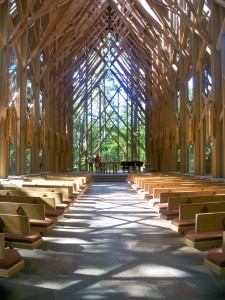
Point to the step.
(109, 177)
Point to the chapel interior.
(140, 82)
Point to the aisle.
(112, 246)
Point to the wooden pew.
(215, 259)
(11, 261)
(150, 187)
(187, 213)
(35, 213)
(174, 203)
(67, 198)
(57, 196)
(141, 182)
(160, 177)
(16, 229)
(143, 186)
(62, 193)
(208, 233)
(49, 203)
(76, 183)
(133, 177)
(144, 183)
(207, 187)
(161, 195)
(83, 179)
(43, 183)
(46, 184)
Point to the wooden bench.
(144, 183)
(11, 261)
(49, 204)
(134, 177)
(187, 213)
(77, 178)
(150, 187)
(208, 233)
(161, 203)
(161, 195)
(75, 183)
(67, 197)
(174, 203)
(16, 229)
(61, 193)
(35, 213)
(45, 184)
(42, 183)
(140, 182)
(57, 196)
(215, 259)
(157, 191)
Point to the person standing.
(97, 163)
(90, 162)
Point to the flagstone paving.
(111, 245)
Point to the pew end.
(203, 241)
(208, 231)
(187, 213)
(35, 213)
(182, 226)
(215, 259)
(16, 229)
(11, 261)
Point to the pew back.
(33, 211)
(163, 198)
(2, 246)
(10, 187)
(150, 187)
(58, 196)
(158, 191)
(188, 211)
(16, 224)
(174, 202)
(45, 184)
(49, 203)
(210, 222)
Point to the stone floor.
(111, 245)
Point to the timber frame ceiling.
(70, 27)
(54, 53)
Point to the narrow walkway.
(112, 246)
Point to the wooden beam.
(222, 31)
(220, 2)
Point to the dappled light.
(111, 244)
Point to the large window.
(109, 105)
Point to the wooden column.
(223, 99)
(45, 163)
(217, 151)
(148, 127)
(171, 125)
(3, 88)
(35, 147)
(198, 151)
(183, 114)
(69, 124)
(20, 137)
